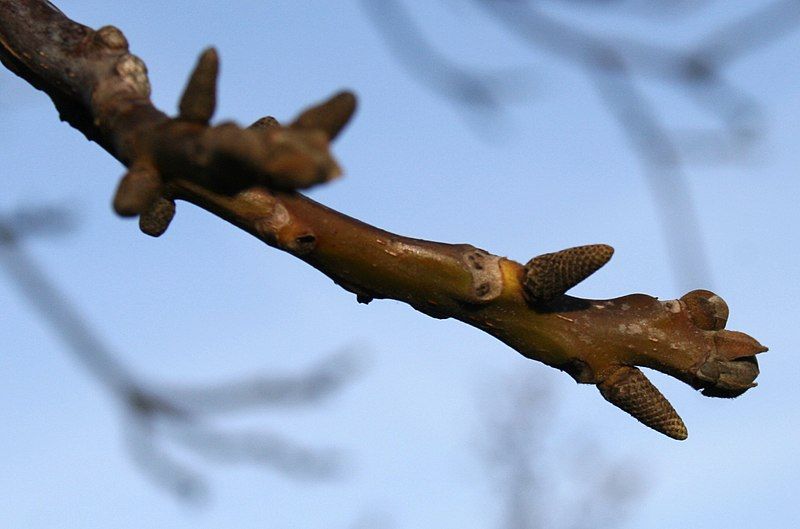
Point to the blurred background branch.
(616, 64)
(544, 483)
(154, 413)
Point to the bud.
(629, 389)
(550, 275)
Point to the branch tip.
(629, 389)
(550, 275)
(199, 99)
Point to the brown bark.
(250, 177)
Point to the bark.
(251, 177)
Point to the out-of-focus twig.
(487, 92)
(517, 422)
(764, 25)
(652, 9)
(519, 455)
(154, 413)
(614, 64)
(319, 382)
(251, 177)
(663, 171)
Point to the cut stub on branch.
(550, 275)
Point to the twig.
(147, 409)
(249, 176)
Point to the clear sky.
(553, 169)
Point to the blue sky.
(207, 302)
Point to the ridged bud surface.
(155, 220)
(630, 390)
(550, 275)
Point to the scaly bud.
(728, 379)
(732, 345)
(629, 389)
(155, 220)
(552, 274)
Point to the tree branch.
(155, 412)
(250, 178)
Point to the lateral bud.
(550, 275)
(707, 310)
(199, 99)
(330, 116)
(155, 220)
(111, 38)
(140, 186)
(628, 389)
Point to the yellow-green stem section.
(441, 280)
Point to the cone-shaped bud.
(137, 189)
(707, 310)
(330, 116)
(552, 274)
(630, 390)
(200, 96)
(155, 220)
